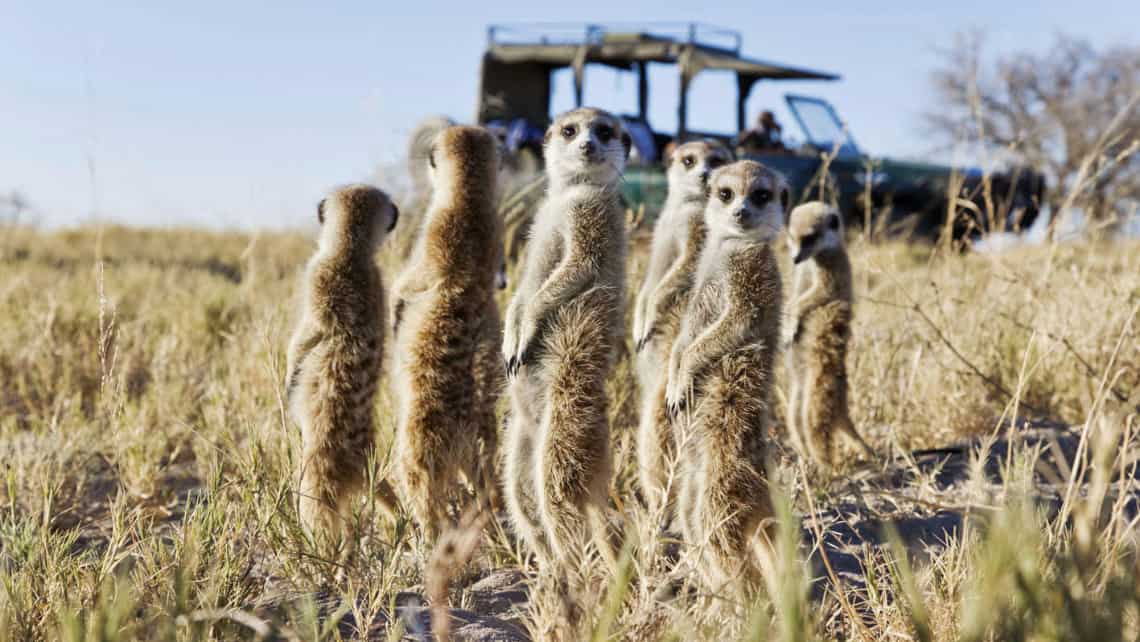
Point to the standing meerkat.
(820, 312)
(416, 203)
(678, 236)
(562, 330)
(721, 370)
(447, 373)
(335, 357)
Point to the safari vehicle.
(515, 95)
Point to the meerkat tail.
(656, 453)
(847, 429)
(574, 457)
(519, 483)
(386, 497)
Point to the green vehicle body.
(911, 198)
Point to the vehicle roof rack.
(521, 57)
(579, 33)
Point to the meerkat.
(562, 329)
(820, 314)
(721, 370)
(415, 204)
(447, 373)
(678, 236)
(335, 357)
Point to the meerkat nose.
(587, 146)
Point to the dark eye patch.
(715, 162)
(724, 194)
(688, 161)
(431, 157)
(569, 131)
(810, 239)
(605, 133)
(760, 197)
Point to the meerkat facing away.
(678, 236)
(447, 373)
(562, 329)
(820, 313)
(335, 357)
(416, 203)
(721, 370)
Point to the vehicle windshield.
(821, 125)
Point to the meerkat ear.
(626, 142)
(321, 211)
(785, 199)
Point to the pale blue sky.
(242, 114)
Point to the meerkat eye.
(569, 131)
(714, 162)
(688, 161)
(724, 194)
(605, 133)
(810, 239)
(760, 197)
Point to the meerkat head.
(690, 165)
(814, 228)
(585, 146)
(746, 200)
(354, 217)
(464, 159)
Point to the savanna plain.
(149, 464)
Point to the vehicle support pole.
(743, 88)
(643, 91)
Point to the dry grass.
(148, 462)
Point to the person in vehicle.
(766, 136)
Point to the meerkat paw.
(638, 321)
(647, 335)
(510, 345)
(398, 314)
(676, 395)
(526, 337)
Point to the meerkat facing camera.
(678, 236)
(562, 330)
(721, 370)
(335, 357)
(447, 373)
(821, 314)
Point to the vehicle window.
(821, 126)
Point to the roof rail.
(562, 33)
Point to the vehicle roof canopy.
(519, 60)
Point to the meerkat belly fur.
(562, 330)
(678, 236)
(820, 315)
(721, 370)
(335, 356)
(447, 373)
